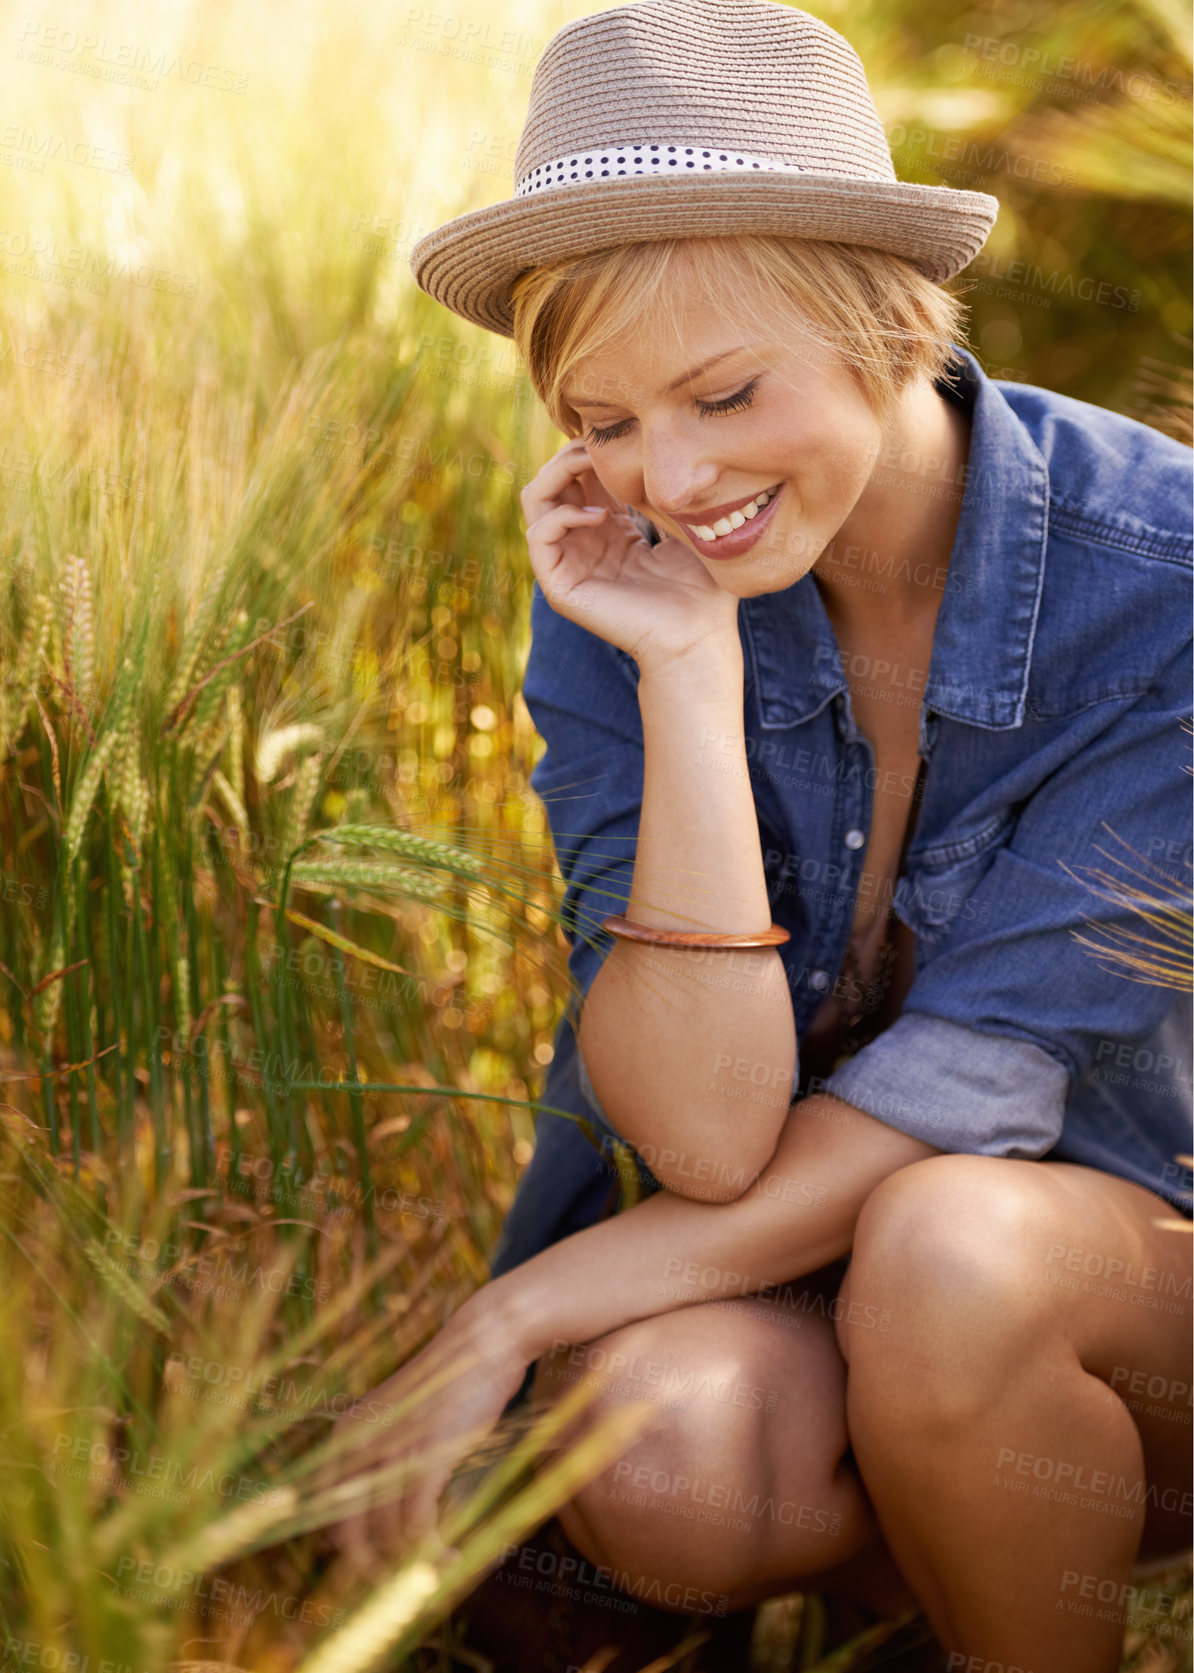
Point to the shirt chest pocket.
(938, 880)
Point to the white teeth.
(735, 520)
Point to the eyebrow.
(685, 377)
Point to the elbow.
(711, 1157)
(720, 1157)
(724, 1186)
(711, 1172)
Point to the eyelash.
(706, 409)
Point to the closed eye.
(706, 409)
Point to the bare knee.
(741, 1472)
(949, 1254)
(709, 1385)
(947, 1232)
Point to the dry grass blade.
(1157, 951)
(261, 511)
(343, 944)
(398, 1614)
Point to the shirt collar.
(982, 642)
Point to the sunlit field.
(281, 961)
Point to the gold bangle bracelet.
(618, 925)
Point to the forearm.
(670, 1252)
(671, 1037)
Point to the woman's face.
(690, 415)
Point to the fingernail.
(594, 508)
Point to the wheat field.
(280, 949)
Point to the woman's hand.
(433, 1411)
(595, 568)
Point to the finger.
(418, 1513)
(392, 1525)
(351, 1537)
(593, 491)
(546, 535)
(383, 1524)
(553, 481)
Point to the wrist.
(495, 1322)
(716, 654)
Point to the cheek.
(624, 485)
(845, 456)
(604, 468)
(610, 477)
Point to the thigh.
(1057, 1256)
(1119, 1261)
(763, 1354)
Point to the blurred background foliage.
(262, 577)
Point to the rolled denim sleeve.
(1013, 1009)
(583, 698)
(953, 1087)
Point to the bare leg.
(742, 1488)
(984, 1397)
(1009, 1476)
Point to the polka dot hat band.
(690, 119)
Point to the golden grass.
(280, 957)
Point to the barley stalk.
(302, 800)
(367, 873)
(274, 746)
(80, 632)
(231, 800)
(344, 635)
(240, 1530)
(422, 849)
(20, 684)
(48, 1001)
(132, 790)
(188, 668)
(118, 1280)
(117, 734)
(182, 995)
(236, 748)
(84, 798)
(368, 1635)
(210, 701)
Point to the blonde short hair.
(882, 316)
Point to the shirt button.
(819, 980)
(854, 838)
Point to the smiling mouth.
(735, 519)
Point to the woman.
(847, 659)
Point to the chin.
(770, 572)
(764, 578)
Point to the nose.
(677, 473)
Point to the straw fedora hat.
(688, 119)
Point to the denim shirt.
(1051, 726)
